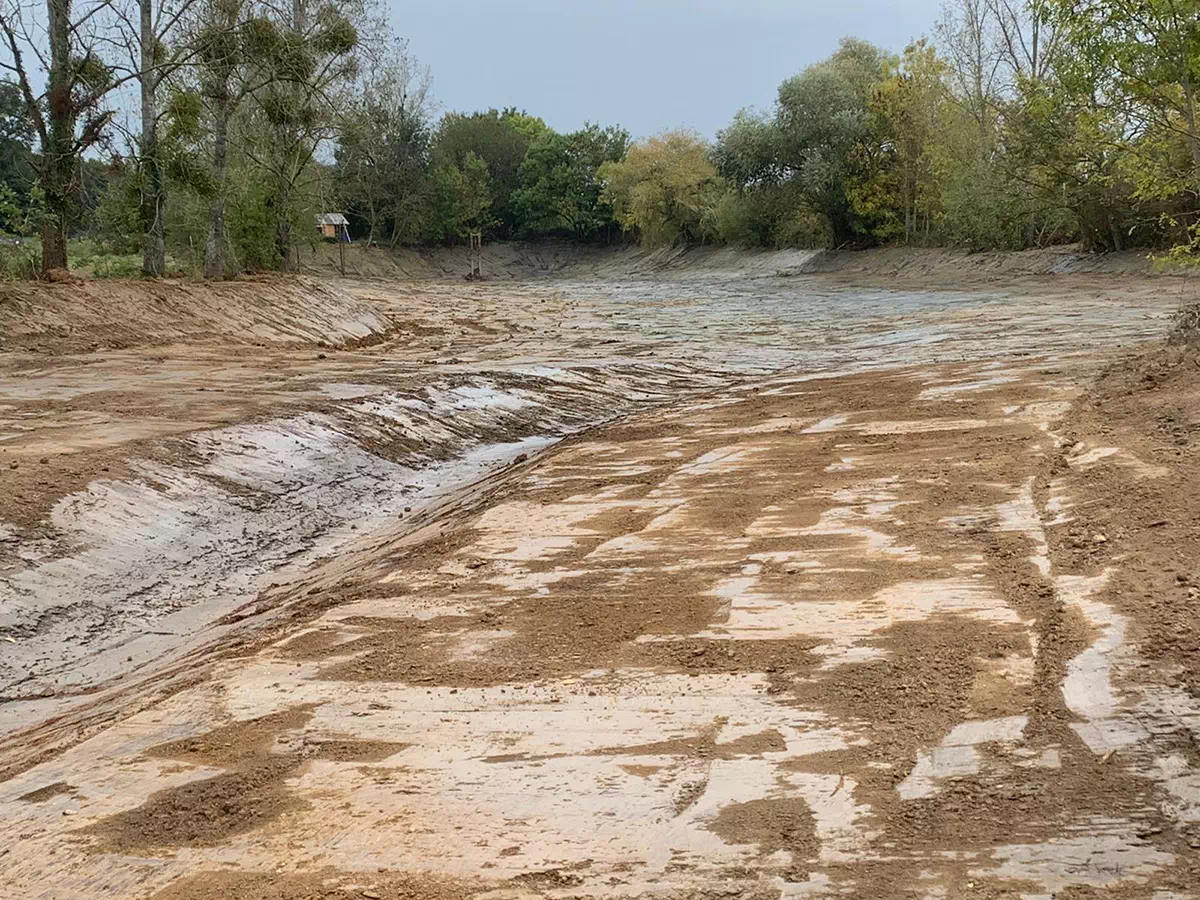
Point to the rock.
(520, 458)
(59, 276)
(321, 356)
(1099, 539)
(370, 895)
(45, 460)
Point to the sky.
(648, 65)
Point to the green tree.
(499, 138)
(666, 189)
(17, 173)
(307, 62)
(905, 110)
(824, 131)
(462, 199)
(65, 101)
(383, 144)
(560, 191)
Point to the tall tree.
(824, 130)
(17, 134)
(666, 189)
(309, 64)
(154, 52)
(501, 139)
(68, 115)
(906, 111)
(560, 189)
(226, 39)
(383, 142)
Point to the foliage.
(17, 173)
(500, 139)
(462, 198)
(560, 189)
(666, 189)
(1022, 123)
(253, 226)
(117, 218)
(383, 150)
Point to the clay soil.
(781, 587)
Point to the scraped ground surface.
(677, 587)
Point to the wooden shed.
(335, 226)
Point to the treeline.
(1020, 125)
(208, 134)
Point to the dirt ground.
(684, 585)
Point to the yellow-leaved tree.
(666, 189)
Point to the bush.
(19, 261)
(117, 267)
(803, 228)
(117, 219)
(738, 223)
(252, 226)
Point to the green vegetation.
(1018, 123)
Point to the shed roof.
(332, 219)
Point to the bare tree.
(967, 37)
(152, 55)
(1027, 38)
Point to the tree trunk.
(57, 169)
(283, 196)
(215, 264)
(154, 186)
(54, 246)
(283, 225)
(1190, 116)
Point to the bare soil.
(776, 587)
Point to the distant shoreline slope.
(518, 260)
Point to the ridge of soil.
(264, 310)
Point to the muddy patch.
(42, 794)
(771, 824)
(325, 884)
(204, 813)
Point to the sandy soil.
(678, 586)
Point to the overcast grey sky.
(644, 64)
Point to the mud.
(656, 586)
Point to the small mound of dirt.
(203, 813)
(785, 823)
(357, 751)
(235, 743)
(1186, 326)
(208, 812)
(41, 795)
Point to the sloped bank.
(268, 310)
(137, 565)
(526, 260)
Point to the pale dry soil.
(760, 587)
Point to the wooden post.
(476, 255)
(342, 256)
